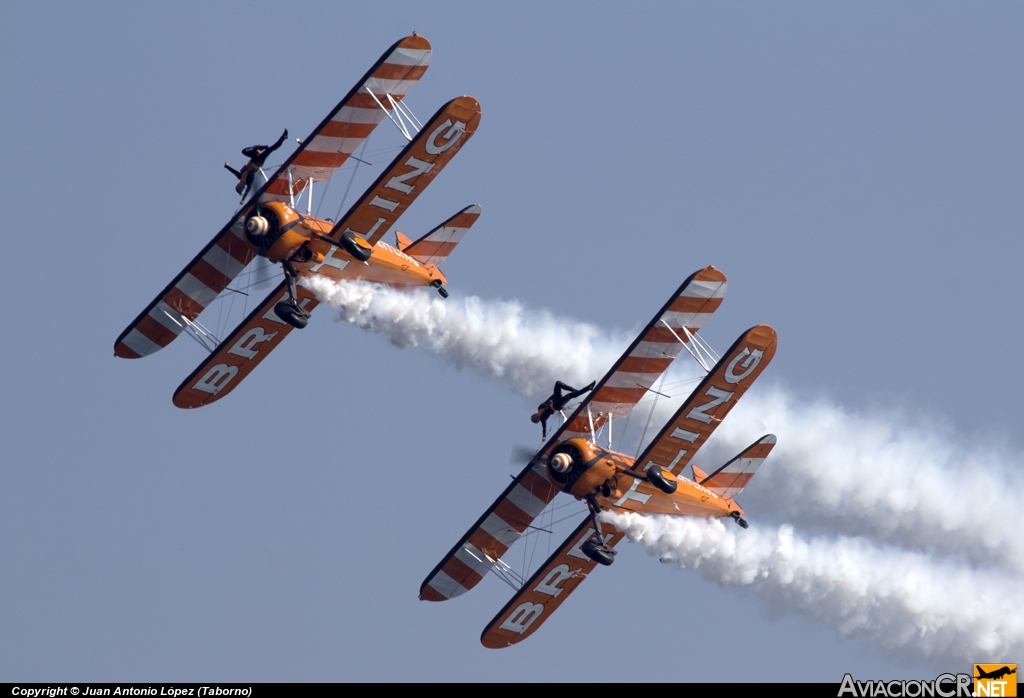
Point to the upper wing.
(189, 293)
(319, 156)
(238, 355)
(492, 534)
(732, 477)
(546, 590)
(343, 130)
(435, 246)
(410, 173)
(708, 405)
(650, 354)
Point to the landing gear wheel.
(356, 246)
(292, 314)
(436, 283)
(740, 521)
(657, 477)
(598, 552)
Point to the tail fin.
(435, 246)
(732, 477)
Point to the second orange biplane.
(270, 225)
(573, 462)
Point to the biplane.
(578, 460)
(271, 225)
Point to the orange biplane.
(572, 461)
(270, 225)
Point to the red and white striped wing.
(493, 534)
(320, 155)
(732, 477)
(188, 294)
(435, 246)
(711, 401)
(444, 135)
(650, 354)
(242, 350)
(327, 148)
(546, 590)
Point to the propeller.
(262, 274)
(521, 455)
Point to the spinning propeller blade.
(262, 274)
(522, 455)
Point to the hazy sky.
(855, 169)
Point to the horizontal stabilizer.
(435, 246)
(732, 477)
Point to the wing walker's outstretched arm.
(559, 399)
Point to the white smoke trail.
(905, 602)
(872, 475)
(876, 475)
(528, 350)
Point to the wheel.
(292, 314)
(742, 522)
(597, 552)
(443, 291)
(657, 477)
(356, 246)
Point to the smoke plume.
(906, 602)
(528, 350)
(902, 513)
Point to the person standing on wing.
(257, 155)
(556, 402)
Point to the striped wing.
(732, 477)
(236, 357)
(435, 246)
(188, 294)
(319, 156)
(713, 399)
(493, 533)
(546, 590)
(411, 172)
(327, 148)
(650, 354)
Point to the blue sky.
(855, 169)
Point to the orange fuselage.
(607, 468)
(298, 239)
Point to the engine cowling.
(580, 467)
(272, 228)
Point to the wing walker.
(573, 461)
(270, 224)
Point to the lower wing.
(241, 352)
(546, 590)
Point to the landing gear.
(598, 552)
(290, 311)
(356, 246)
(292, 314)
(656, 475)
(436, 283)
(595, 548)
(740, 521)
